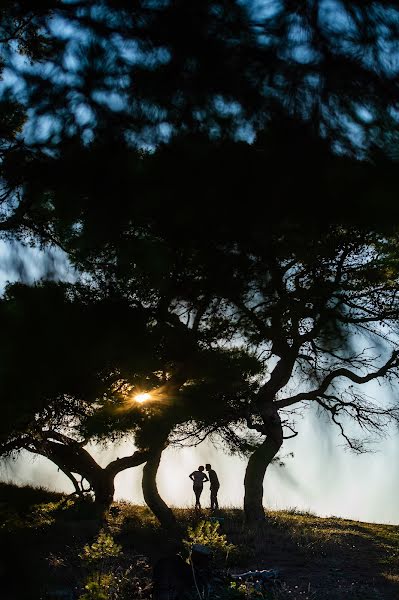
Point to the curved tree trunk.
(150, 491)
(253, 481)
(256, 468)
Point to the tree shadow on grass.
(321, 558)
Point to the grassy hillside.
(42, 534)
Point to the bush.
(102, 549)
(207, 534)
(112, 575)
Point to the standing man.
(215, 485)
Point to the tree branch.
(343, 372)
(134, 460)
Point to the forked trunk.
(73, 458)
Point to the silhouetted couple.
(198, 478)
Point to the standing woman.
(198, 478)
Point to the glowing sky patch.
(142, 397)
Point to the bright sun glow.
(142, 397)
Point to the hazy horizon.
(322, 477)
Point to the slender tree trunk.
(73, 480)
(150, 491)
(257, 465)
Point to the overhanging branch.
(120, 464)
(343, 372)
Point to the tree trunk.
(72, 458)
(150, 491)
(256, 468)
(104, 488)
